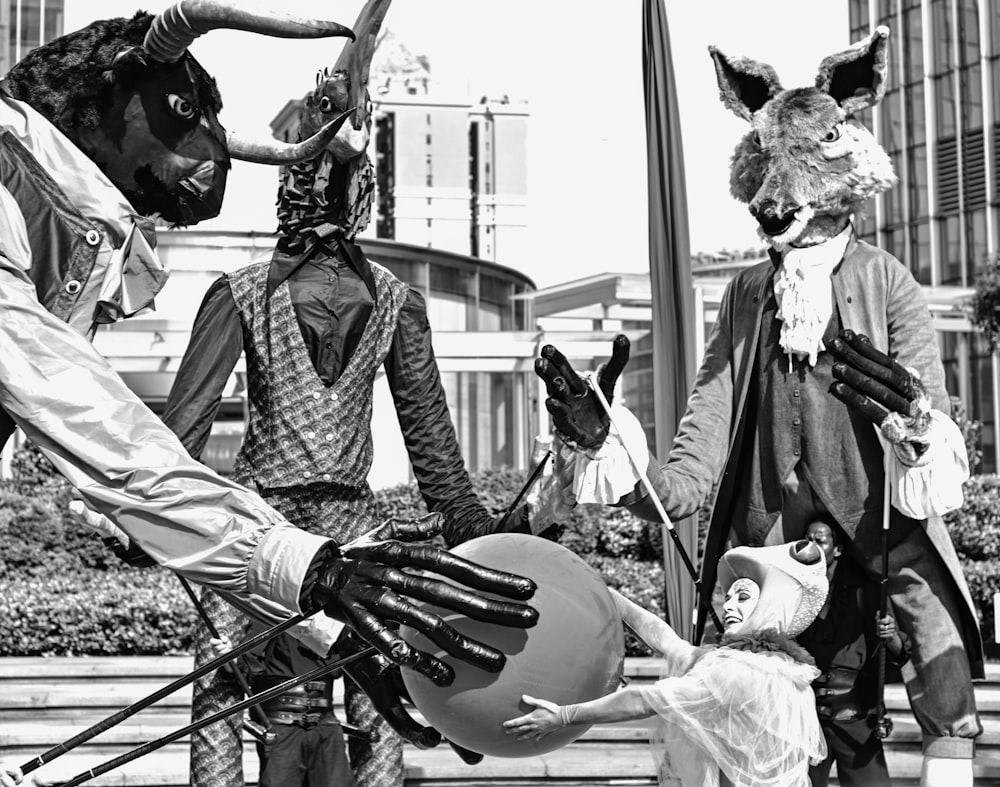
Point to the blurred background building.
(451, 218)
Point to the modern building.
(940, 124)
(25, 24)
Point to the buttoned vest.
(300, 431)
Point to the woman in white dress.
(742, 710)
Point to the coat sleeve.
(131, 468)
(428, 432)
(212, 353)
(700, 448)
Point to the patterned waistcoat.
(301, 431)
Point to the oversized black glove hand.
(364, 585)
(577, 415)
(883, 392)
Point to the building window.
(968, 32)
(918, 182)
(972, 97)
(913, 56)
(944, 89)
(941, 25)
(950, 250)
(916, 125)
(385, 176)
(920, 244)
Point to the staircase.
(45, 701)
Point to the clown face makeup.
(741, 600)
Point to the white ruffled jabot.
(805, 295)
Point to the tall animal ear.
(856, 77)
(744, 85)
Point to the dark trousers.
(299, 757)
(857, 752)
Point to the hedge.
(63, 593)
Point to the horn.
(272, 151)
(356, 56)
(173, 30)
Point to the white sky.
(579, 64)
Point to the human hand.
(365, 583)
(10, 774)
(114, 537)
(577, 415)
(883, 392)
(546, 717)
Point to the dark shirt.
(333, 298)
(844, 644)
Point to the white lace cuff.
(934, 487)
(606, 474)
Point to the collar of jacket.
(284, 265)
(79, 178)
(852, 241)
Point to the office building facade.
(940, 124)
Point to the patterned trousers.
(217, 750)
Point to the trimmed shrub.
(63, 593)
(134, 613)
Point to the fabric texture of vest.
(300, 431)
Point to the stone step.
(574, 764)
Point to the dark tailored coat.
(876, 296)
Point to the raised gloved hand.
(883, 392)
(364, 584)
(577, 415)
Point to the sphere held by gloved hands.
(577, 416)
(370, 581)
(574, 654)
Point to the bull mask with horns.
(132, 97)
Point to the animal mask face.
(806, 165)
(129, 94)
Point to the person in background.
(844, 639)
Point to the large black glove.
(364, 584)
(577, 415)
(883, 392)
(383, 684)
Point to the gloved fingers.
(366, 676)
(857, 350)
(388, 642)
(863, 405)
(608, 373)
(560, 367)
(468, 756)
(871, 388)
(386, 604)
(444, 594)
(419, 529)
(448, 565)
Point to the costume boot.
(946, 772)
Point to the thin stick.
(524, 489)
(257, 699)
(145, 702)
(657, 504)
(883, 724)
(259, 717)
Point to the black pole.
(257, 699)
(262, 724)
(524, 489)
(145, 702)
(883, 724)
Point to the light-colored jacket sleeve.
(131, 468)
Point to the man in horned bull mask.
(317, 321)
(101, 131)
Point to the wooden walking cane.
(159, 694)
(257, 699)
(644, 479)
(883, 724)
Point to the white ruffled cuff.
(606, 475)
(934, 487)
